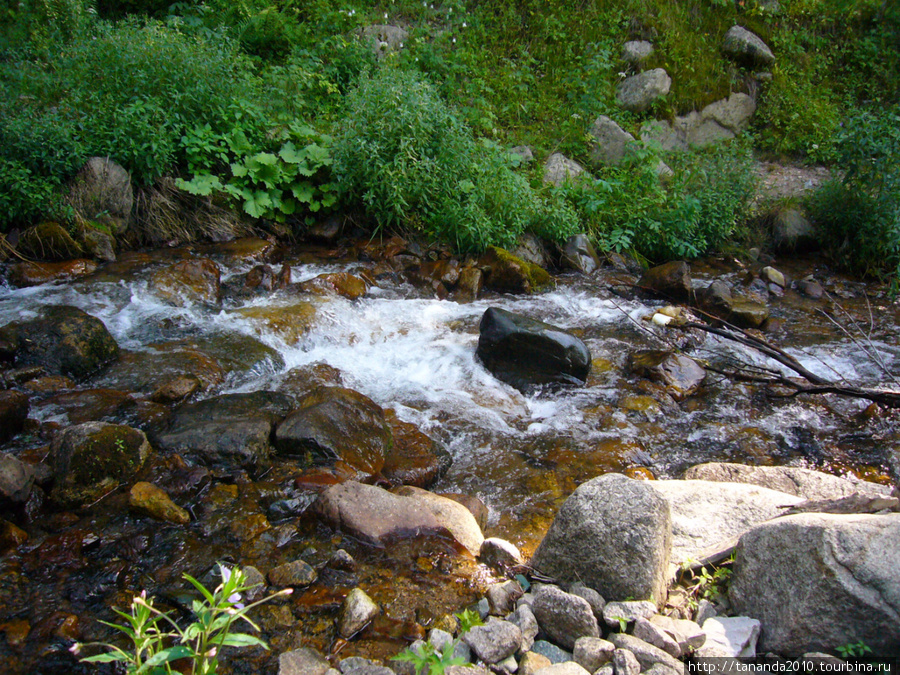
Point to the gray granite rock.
(563, 616)
(494, 641)
(591, 653)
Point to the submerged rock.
(65, 341)
(25, 273)
(820, 581)
(357, 611)
(188, 282)
(337, 423)
(680, 374)
(614, 534)
(414, 458)
(94, 458)
(526, 353)
(153, 501)
(378, 516)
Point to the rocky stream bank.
(351, 419)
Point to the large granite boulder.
(65, 341)
(378, 516)
(706, 513)
(639, 92)
(228, 430)
(821, 581)
(337, 423)
(526, 353)
(613, 534)
(93, 459)
(805, 483)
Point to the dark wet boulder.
(260, 280)
(91, 405)
(378, 516)
(148, 370)
(526, 353)
(16, 479)
(227, 430)
(415, 458)
(680, 374)
(14, 407)
(188, 282)
(507, 273)
(27, 273)
(337, 423)
(93, 459)
(65, 341)
(49, 241)
(671, 280)
(820, 581)
(614, 535)
(716, 299)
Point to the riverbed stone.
(188, 282)
(337, 423)
(818, 581)
(357, 611)
(65, 341)
(679, 374)
(289, 322)
(656, 636)
(592, 652)
(502, 597)
(499, 553)
(566, 668)
(495, 641)
(706, 513)
(302, 661)
(578, 253)
(614, 534)
(526, 353)
(49, 241)
(414, 458)
(639, 92)
(524, 618)
(594, 599)
(748, 314)
(94, 458)
(103, 187)
(16, 479)
(227, 430)
(647, 655)
(159, 367)
(797, 481)
(688, 634)
(747, 48)
(508, 273)
(14, 407)
(559, 170)
(147, 498)
(628, 611)
(294, 573)
(343, 284)
(377, 516)
(26, 273)
(671, 280)
(729, 636)
(563, 616)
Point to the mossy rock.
(93, 459)
(507, 273)
(49, 241)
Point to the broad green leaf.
(241, 640)
(107, 658)
(257, 205)
(303, 191)
(203, 184)
(167, 655)
(238, 170)
(290, 154)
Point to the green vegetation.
(281, 110)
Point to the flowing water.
(408, 351)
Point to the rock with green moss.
(93, 459)
(509, 274)
(49, 241)
(65, 341)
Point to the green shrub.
(415, 166)
(859, 213)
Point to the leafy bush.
(415, 166)
(859, 213)
(630, 208)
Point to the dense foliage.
(240, 99)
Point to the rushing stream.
(415, 354)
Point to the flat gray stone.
(591, 653)
(302, 661)
(730, 636)
(628, 611)
(494, 641)
(559, 169)
(646, 654)
(656, 636)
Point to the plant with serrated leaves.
(157, 640)
(428, 660)
(468, 619)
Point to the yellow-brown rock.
(150, 500)
(27, 273)
(340, 283)
(188, 282)
(290, 322)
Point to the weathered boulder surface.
(563, 616)
(16, 479)
(14, 406)
(671, 280)
(706, 513)
(805, 483)
(378, 516)
(526, 353)
(746, 47)
(559, 169)
(635, 52)
(233, 429)
(414, 458)
(578, 253)
(103, 187)
(609, 142)
(340, 423)
(639, 92)
(26, 273)
(680, 374)
(819, 581)
(49, 241)
(509, 274)
(614, 534)
(65, 341)
(719, 121)
(494, 641)
(94, 458)
(188, 282)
